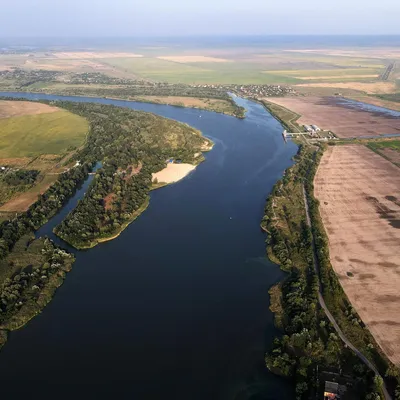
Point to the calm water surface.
(177, 306)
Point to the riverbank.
(295, 300)
(169, 175)
(39, 269)
(219, 106)
(104, 239)
(172, 173)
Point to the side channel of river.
(177, 306)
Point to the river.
(177, 306)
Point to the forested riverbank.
(132, 145)
(32, 269)
(309, 338)
(100, 85)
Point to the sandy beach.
(173, 173)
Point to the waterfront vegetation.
(101, 85)
(132, 145)
(29, 276)
(285, 116)
(32, 269)
(47, 205)
(309, 339)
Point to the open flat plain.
(359, 194)
(35, 136)
(330, 113)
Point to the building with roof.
(331, 391)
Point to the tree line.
(309, 340)
(132, 145)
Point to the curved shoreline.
(137, 100)
(92, 244)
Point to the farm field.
(331, 113)
(224, 65)
(45, 133)
(389, 149)
(35, 138)
(359, 194)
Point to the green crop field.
(208, 72)
(386, 144)
(48, 133)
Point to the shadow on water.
(177, 306)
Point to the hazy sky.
(197, 17)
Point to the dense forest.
(29, 277)
(47, 205)
(132, 145)
(310, 345)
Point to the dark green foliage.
(132, 145)
(21, 177)
(21, 294)
(48, 205)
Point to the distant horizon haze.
(175, 18)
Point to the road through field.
(331, 318)
(359, 194)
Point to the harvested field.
(17, 108)
(392, 155)
(337, 77)
(368, 87)
(359, 194)
(89, 54)
(340, 117)
(193, 59)
(376, 101)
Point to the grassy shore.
(286, 117)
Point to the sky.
(155, 18)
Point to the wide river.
(177, 306)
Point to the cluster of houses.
(254, 91)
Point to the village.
(253, 91)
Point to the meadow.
(215, 64)
(47, 133)
(34, 138)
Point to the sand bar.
(173, 173)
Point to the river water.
(177, 306)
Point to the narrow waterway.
(177, 306)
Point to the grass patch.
(174, 72)
(49, 133)
(287, 117)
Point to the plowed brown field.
(329, 113)
(359, 194)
